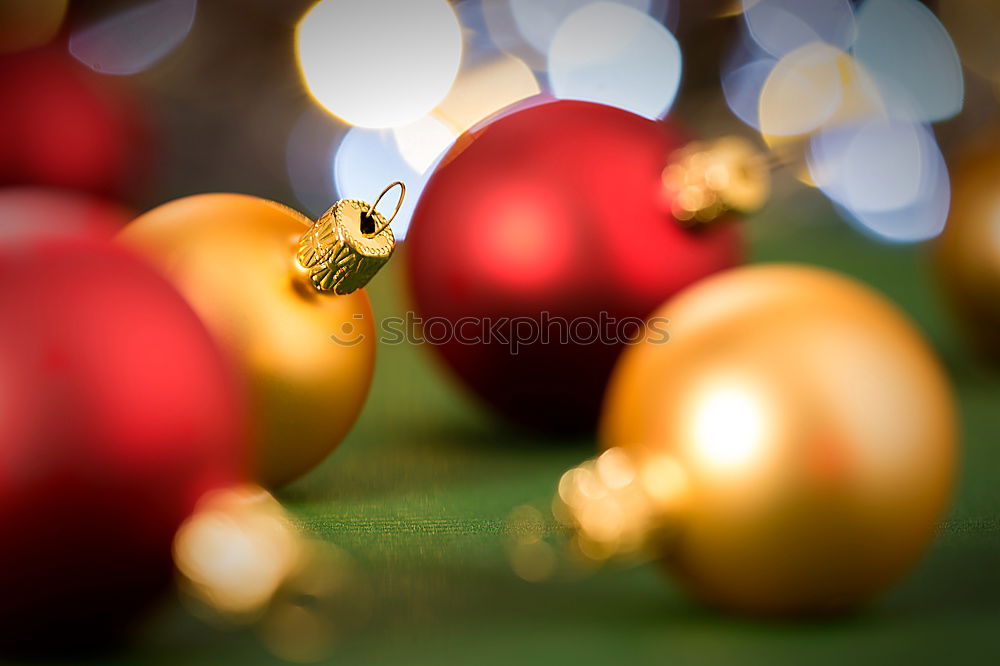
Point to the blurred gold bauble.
(234, 258)
(968, 252)
(814, 430)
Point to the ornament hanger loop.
(399, 204)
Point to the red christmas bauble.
(32, 212)
(63, 125)
(550, 223)
(117, 412)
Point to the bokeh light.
(134, 39)
(781, 26)
(620, 503)
(615, 468)
(743, 78)
(879, 166)
(241, 562)
(531, 558)
(25, 24)
(857, 86)
(664, 481)
(803, 90)
(526, 28)
(888, 177)
(912, 58)
(235, 551)
(613, 54)
(421, 143)
(379, 63)
(484, 86)
(538, 22)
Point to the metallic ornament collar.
(348, 245)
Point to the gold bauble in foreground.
(810, 433)
(234, 259)
(968, 251)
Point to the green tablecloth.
(419, 493)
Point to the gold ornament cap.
(706, 179)
(347, 246)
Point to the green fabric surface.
(419, 494)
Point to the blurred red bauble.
(553, 214)
(32, 212)
(63, 125)
(117, 412)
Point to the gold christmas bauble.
(811, 434)
(968, 251)
(269, 284)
